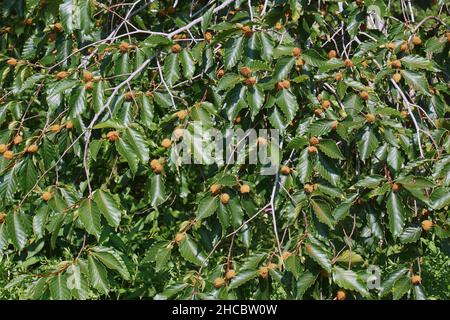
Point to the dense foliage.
(92, 206)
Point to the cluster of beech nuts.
(426, 225)
(2, 217)
(247, 31)
(264, 270)
(285, 170)
(179, 237)
(88, 78)
(46, 196)
(284, 84)
(208, 36)
(416, 279)
(224, 197)
(176, 48)
(182, 114)
(157, 165)
(332, 54)
(219, 282)
(113, 136)
(341, 295)
(370, 117)
(247, 72)
(396, 187)
(32, 148)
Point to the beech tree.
(94, 207)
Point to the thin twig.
(408, 106)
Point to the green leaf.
(394, 159)
(236, 212)
(298, 143)
(235, 101)
(207, 17)
(138, 143)
(77, 102)
(419, 294)
(31, 81)
(440, 198)
(9, 184)
(108, 207)
(76, 282)
(277, 120)
(342, 210)
(396, 212)
(29, 49)
(292, 264)
(99, 95)
(439, 105)
(54, 92)
(147, 111)
(331, 64)
(255, 99)
(28, 174)
(330, 191)
(330, 148)
(252, 262)
(128, 153)
(313, 58)
(287, 103)
(233, 51)
(328, 170)
(347, 257)
(58, 287)
(303, 283)
(401, 287)
(323, 212)
(417, 62)
(90, 217)
(122, 65)
(207, 207)
(190, 251)
(410, 234)
(356, 85)
(319, 255)
(171, 69)
(251, 49)
(320, 127)
(224, 217)
(162, 259)
(266, 45)
(38, 289)
(39, 221)
(111, 259)
(416, 81)
(17, 230)
(348, 279)
(388, 284)
(367, 144)
(304, 167)
(282, 68)
(68, 11)
(371, 182)
(171, 291)
(98, 275)
(3, 236)
(228, 81)
(157, 190)
(156, 40)
(187, 63)
(242, 277)
(86, 21)
(353, 104)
